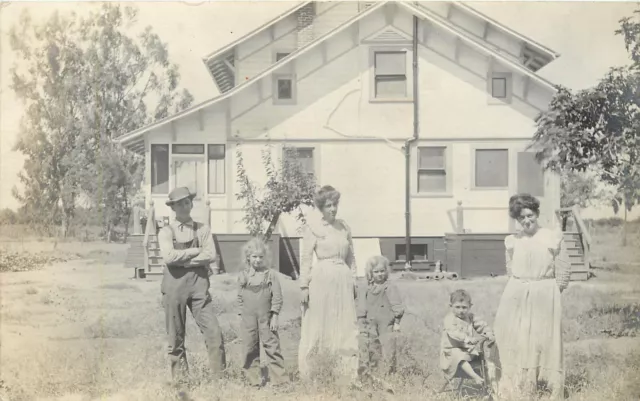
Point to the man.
(187, 249)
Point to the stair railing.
(150, 229)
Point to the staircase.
(577, 256)
(578, 245)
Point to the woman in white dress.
(528, 323)
(329, 323)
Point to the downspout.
(407, 145)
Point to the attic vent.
(390, 36)
(363, 5)
(223, 71)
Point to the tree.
(84, 81)
(597, 128)
(579, 189)
(287, 188)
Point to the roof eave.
(548, 51)
(256, 31)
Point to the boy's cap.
(178, 194)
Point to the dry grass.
(86, 331)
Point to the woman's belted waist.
(336, 260)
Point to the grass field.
(83, 329)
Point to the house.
(335, 80)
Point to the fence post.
(460, 217)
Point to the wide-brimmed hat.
(178, 194)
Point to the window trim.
(294, 89)
(395, 249)
(224, 186)
(372, 68)
(474, 149)
(509, 87)
(448, 155)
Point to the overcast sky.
(583, 32)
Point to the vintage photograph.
(319, 200)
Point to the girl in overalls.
(380, 312)
(260, 302)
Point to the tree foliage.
(287, 188)
(597, 128)
(85, 81)
(579, 189)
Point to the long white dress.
(528, 323)
(329, 324)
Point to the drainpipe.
(407, 145)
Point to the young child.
(260, 302)
(379, 314)
(462, 338)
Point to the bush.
(8, 217)
(20, 262)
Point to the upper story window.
(390, 74)
(499, 86)
(284, 89)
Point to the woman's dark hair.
(519, 202)
(326, 193)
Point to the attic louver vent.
(363, 5)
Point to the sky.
(581, 31)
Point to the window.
(159, 169)
(197, 149)
(304, 156)
(432, 170)
(491, 168)
(187, 173)
(216, 166)
(419, 252)
(284, 89)
(390, 74)
(499, 86)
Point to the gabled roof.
(464, 36)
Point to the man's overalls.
(256, 313)
(189, 287)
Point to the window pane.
(432, 181)
(390, 63)
(280, 56)
(418, 252)
(197, 149)
(499, 88)
(391, 87)
(285, 89)
(492, 168)
(530, 175)
(304, 156)
(216, 152)
(431, 157)
(216, 176)
(159, 169)
(187, 174)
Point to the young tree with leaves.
(598, 128)
(287, 188)
(85, 81)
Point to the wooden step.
(575, 259)
(574, 251)
(579, 276)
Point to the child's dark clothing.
(380, 308)
(259, 297)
